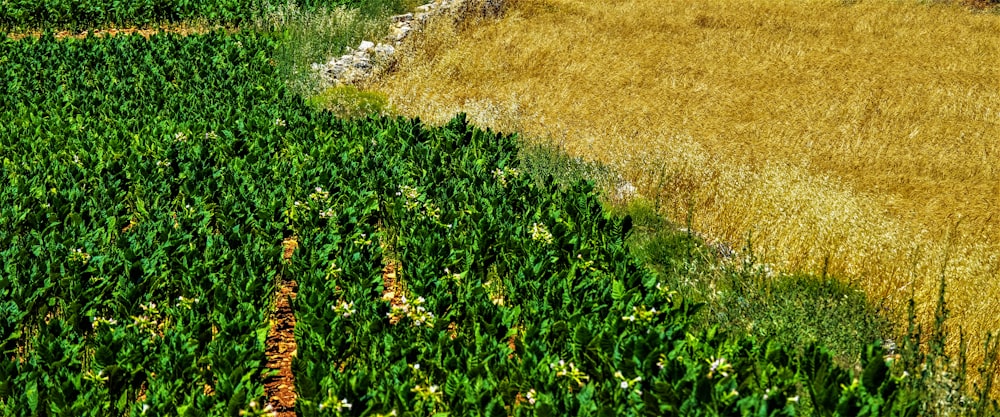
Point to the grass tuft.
(351, 103)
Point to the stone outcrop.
(360, 63)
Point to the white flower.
(624, 384)
(721, 366)
(540, 233)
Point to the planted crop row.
(87, 14)
(510, 295)
(141, 222)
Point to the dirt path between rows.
(183, 30)
(280, 346)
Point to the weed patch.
(351, 103)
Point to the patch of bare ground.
(393, 288)
(146, 32)
(280, 346)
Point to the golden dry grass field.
(867, 133)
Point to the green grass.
(745, 297)
(351, 103)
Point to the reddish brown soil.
(393, 288)
(144, 32)
(280, 349)
(280, 346)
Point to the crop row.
(141, 223)
(505, 294)
(88, 14)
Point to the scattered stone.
(402, 18)
(359, 64)
(398, 34)
(383, 51)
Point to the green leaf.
(874, 375)
(544, 409)
(617, 290)
(31, 391)
(237, 402)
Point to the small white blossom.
(345, 309)
(540, 233)
(531, 396)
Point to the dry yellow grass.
(868, 134)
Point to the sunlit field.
(858, 139)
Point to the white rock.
(400, 33)
(366, 45)
(362, 63)
(384, 50)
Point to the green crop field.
(88, 14)
(159, 191)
